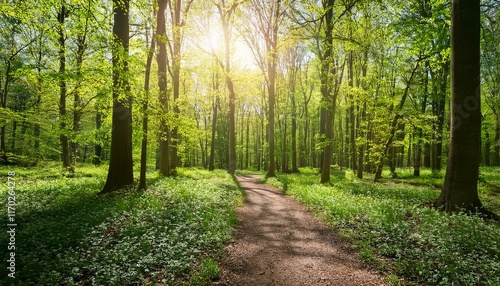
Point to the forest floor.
(279, 242)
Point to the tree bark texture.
(63, 136)
(161, 37)
(460, 185)
(145, 118)
(120, 173)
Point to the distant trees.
(490, 61)
(264, 22)
(226, 12)
(145, 109)
(15, 41)
(178, 13)
(265, 84)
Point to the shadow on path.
(278, 242)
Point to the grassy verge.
(68, 235)
(394, 227)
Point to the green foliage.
(209, 271)
(275, 182)
(394, 227)
(68, 234)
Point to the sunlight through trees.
(268, 85)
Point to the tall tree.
(438, 109)
(38, 52)
(178, 14)
(120, 173)
(145, 118)
(265, 17)
(272, 54)
(226, 11)
(161, 38)
(330, 82)
(215, 107)
(62, 14)
(295, 57)
(460, 185)
(78, 105)
(328, 97)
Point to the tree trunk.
(145, 118)
(327, 153)
(322, 130)
(13, 142)
(231, 162)
(460, 184)
(284, 159)
(77, 112)
(496, 154)
(418, 152)
(97, 147)
(420, 132)
(272, 54)
(306, 160)
(204, 143)
(120, 173)
(242, 144)
(247, 141)
(346, 154)
(271, 141)
(410, 152)
(487, 150)
(176, 69)
(295, 168)
(63, 137)
(427, 155)
(162, 86)
(211, 164)
(221, 142)
(352, 116)
(36, 134)
(225, 14)
(361, 147)
(439, 113)
(85, 148)
(258, 147)
(328, 106)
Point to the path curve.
(278, 242)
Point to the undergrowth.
(170, 234)
(395, 228)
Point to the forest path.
(278, 242)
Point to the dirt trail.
(278, 242)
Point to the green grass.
(394, 227)
(67, 234)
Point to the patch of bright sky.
(211, 41)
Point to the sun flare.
(213, 43)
